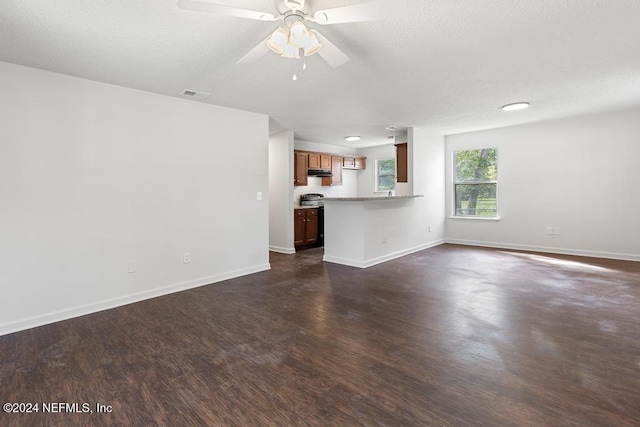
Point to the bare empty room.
(320, 212)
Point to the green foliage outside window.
(476, 180)
(385, 175)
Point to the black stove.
(312, 199)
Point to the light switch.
(259, 195)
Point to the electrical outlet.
(133, 267)
(186, 258)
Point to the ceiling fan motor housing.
(294, 4)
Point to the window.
(385, 174)
(475, 183)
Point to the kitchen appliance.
(316, 200)
(319, 172)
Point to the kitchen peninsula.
(364, 231)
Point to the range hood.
(319, 172)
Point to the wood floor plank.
(451, 335)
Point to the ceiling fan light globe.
(309, 52)
(274, 47)
(278, 40)
(298, 34)
(313, 45)
(291, 52)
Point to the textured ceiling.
(448, 65)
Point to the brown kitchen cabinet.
(325, 161)
(402, 164)
(305, 227)
(336, 172)
(319, 161)
(314, 160)
(300, 167)
(355, 163)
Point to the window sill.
(475, 218)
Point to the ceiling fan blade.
(256, 53)
(330, 52)
(374, 10)
(219, 9)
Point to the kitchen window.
(475, 183)
(385, 175)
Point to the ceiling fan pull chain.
(293, 67)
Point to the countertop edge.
(369, 199)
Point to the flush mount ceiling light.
(352, 138)
(515, 106)
(391, 128)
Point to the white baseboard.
(545, 249)
(286, 251)
(378, 260)
(56, 316)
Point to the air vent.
(193, 94)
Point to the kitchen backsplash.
(349, 187)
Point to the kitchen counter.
(364, 231)
(371, 198)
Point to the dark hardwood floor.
(451, 335)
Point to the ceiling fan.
(293, 39)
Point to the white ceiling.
(448, 65)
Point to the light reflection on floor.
(575, 265)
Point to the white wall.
(367, 177)
(349, 187)
(426, 176)
(361, 234)
(93, 176)
(280, 193)
(577, 174)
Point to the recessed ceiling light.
(515, 106)
(352, 138)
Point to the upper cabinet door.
(314, 160)
(348, 163)
(300, 166)
(325, 162)
(336, 172)
(358, 163)
(402, 164)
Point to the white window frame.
(455, 182)
(377, 183)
